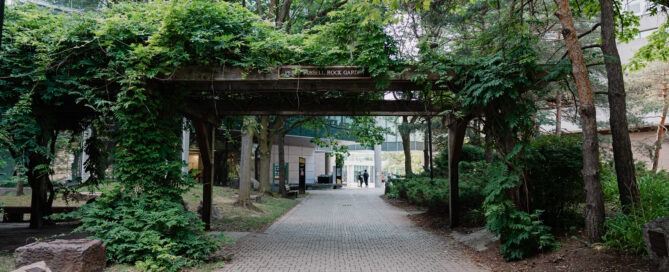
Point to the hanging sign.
(327, 72)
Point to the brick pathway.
(350, 229)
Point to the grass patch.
(240, 219)
(24, 200)
(234, 218)
(6, 261)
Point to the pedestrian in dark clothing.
(360, 178)
(366, 177)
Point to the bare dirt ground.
(573, 255)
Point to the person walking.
(360, 178)
(366, 177)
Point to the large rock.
(215, 211)
(656, 234)
(80, 255)
(36, 267)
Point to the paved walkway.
(350, 229)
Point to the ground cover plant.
(624, 231)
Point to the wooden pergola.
(214, 92)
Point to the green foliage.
(421, 191)
(434, 193)
(473, 181)
(521, 234)
(470, 153)
(554, 179)
(655, 50)
(101, 62)
(154, 231)
(624, 232)
(351, 38)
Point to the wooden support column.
(456, 137)
(205, 133)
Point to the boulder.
(656, 235)
(255, 185)
(36, 267)
(79, 255)
(215, 211)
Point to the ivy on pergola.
(129, 64)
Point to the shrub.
(473, 180)
(421, 191)
(554, 178)
(392, 191)
(7, 183)
(521, 234)
(470, 153)
(151, 230)
(624, 232)
(434, 193)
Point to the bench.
(291, 193)
(15, 213)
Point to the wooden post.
(205, 139)
(456, 137)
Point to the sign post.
(303, 181)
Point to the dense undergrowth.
(554, 188)
(556, 193)
(624, 231)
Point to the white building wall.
(293, 153)
(647, 25)
(319, 164)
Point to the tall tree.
(245, 163)
(594, 206)
(265, 155)
(622, 147)
(405, 129)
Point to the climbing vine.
(98, 66)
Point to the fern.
(521, 234)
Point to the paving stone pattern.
(349, 229)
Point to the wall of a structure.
(642, 144)
(293, 153)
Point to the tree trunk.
(558, 113)
(281, 134)
(205, 135)
(594, 208)
(489, 152)
(406, 146)
(660, 127)
(245, 163)
(19, 183)
(259, 7)
(38, 178)
(283, 14)
(456, 136)
(271, 13)
(622, 147)
(265, 155)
